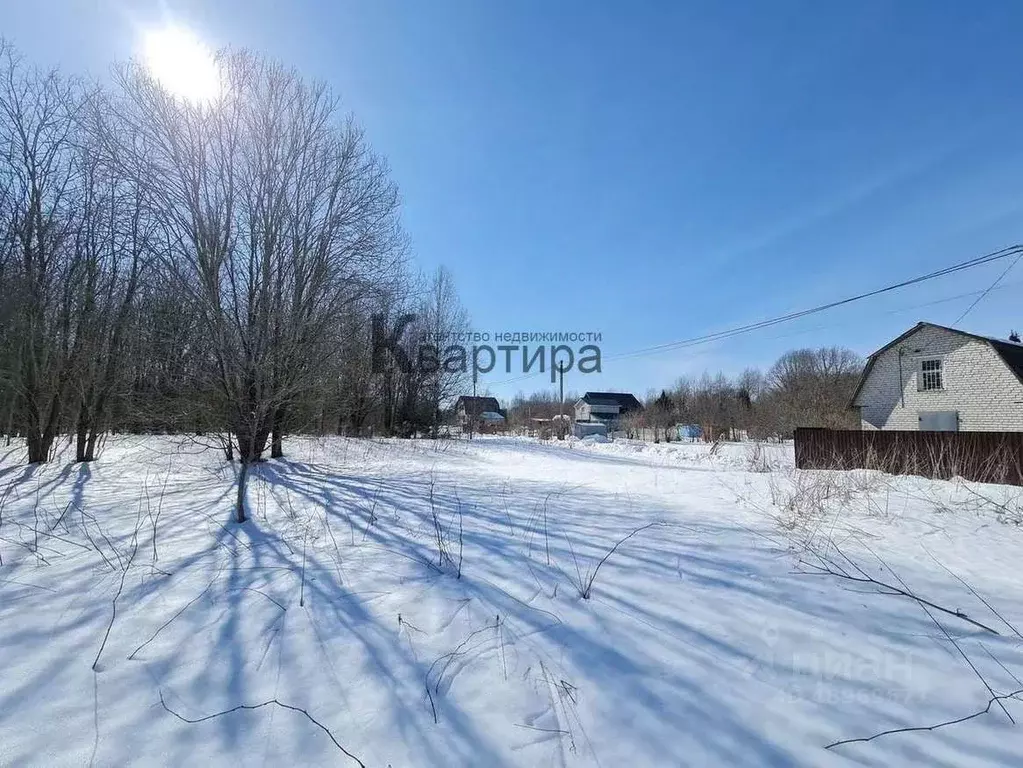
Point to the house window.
(930, 375)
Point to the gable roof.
(1010, 352)
(478, 405)
(625, 401)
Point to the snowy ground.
(704, 641)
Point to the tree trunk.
(277, 432)
(251, 444)
(39, 445)
(90, 445)
(243, 477)
(33, 441)
(82, 443)
(82, 430)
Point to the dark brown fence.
(987, 457)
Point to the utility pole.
(472, 409)
(561, 402)
(561, 378)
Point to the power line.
(990, 288)
(969, 264)
(1012, 250)
(896, 311)
(832, 326)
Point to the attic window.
(930, 374)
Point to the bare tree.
(813, 388)
(808, 387)
(444, 319)
(209, 267)
(8, 303)
(660, 415)
(38, 137)
(278, 216)
(114, 241)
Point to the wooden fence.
(987, 457)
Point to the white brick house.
(938, 378)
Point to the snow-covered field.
(133, 611)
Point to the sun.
(181, 63)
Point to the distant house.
(479, 411)
(607, 408)
(934, 378)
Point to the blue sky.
(655, 171)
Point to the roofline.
(989, 340)
(872, 357)
(977, 336)
(610, 395)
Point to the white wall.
(585, 411)
(977, 384)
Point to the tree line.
(211, 267)
(804, 388)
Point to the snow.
(704, 641)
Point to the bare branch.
(274, 702)
(999, 699)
